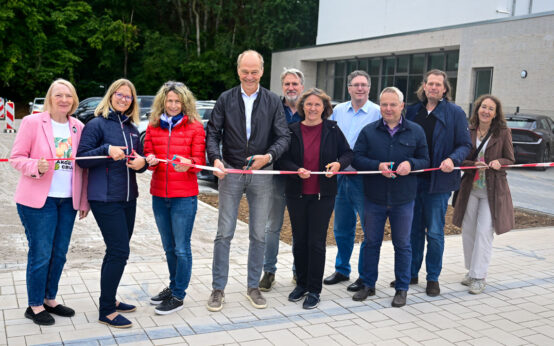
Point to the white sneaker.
(467, 280)
(477, 286)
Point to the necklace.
(481, 134)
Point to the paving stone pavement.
(517, 307)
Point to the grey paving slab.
(515, 309)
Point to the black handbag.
(455, 196)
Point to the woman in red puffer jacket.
(174, 133)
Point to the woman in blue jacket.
(112, 187)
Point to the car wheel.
(545, 157)
(142, 136)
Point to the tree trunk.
(197, 23)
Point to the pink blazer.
(35, 139)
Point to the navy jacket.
(450, 140)
(375, 145)
(109, 180)
(333, 147)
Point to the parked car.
(204, 109)
(85, 111)
(533, 137)
(37, 105)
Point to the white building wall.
(507, 46)
(357, 19)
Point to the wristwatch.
(270, 158)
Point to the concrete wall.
(357, 19)
(507, 46)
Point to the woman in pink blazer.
(48, 195)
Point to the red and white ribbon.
(275, 172)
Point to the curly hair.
(497, 123)
(188, 102)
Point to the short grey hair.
(293, 71)
(393, 90)
(357, 73)
(250, 51)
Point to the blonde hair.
(48, 98)
(188, 102)
(105, 105)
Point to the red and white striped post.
(10, 118)
(2, 112)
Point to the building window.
(483, 82)
(403, 71)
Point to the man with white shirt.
(249, 123)
(352, 117)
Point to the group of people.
(252, 128)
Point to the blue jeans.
(429, 212)
(48, 230)
(258, 191)
(275, 223)
(400, 218)
(348, 202)
(175, 218)
(116, 221)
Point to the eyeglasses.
(359, 86)
(123, 97)
(173, 84)
(294, 84)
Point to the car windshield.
(39, 101)
(526, 124)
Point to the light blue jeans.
(349, 202)
(258, 189)
(175, 219)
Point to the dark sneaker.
(311, 301)
(160, 297)
(256, 299)
(433, 289)
(267, 281)
(43, 318)
(335, 278)
(399, 299)
(363, 293)
(413, 281)
(297, 294)
(169, 305)
(119, 321)
(122, 307)
(215, 302)
(60, 310)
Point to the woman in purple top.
(317, 144)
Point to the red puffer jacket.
(186, 140)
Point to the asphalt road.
(532, 189)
